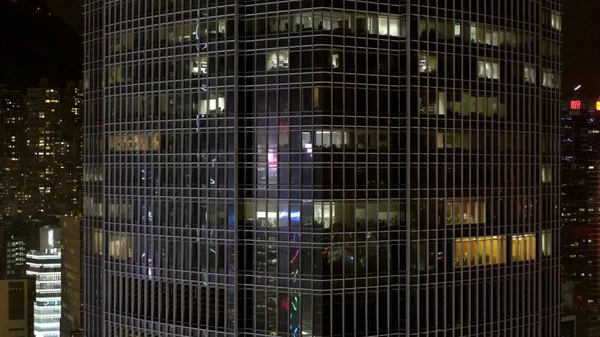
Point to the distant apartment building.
(40, 151)
(12, 150)
(16, 304)
(16, 249)
(53, 150)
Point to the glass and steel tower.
(321, 168)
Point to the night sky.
(581, 46)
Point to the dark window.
(16, 301)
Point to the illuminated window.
(550, 79)
(486, 34)
(488, 69)
(465, 211)
(523, 247)
(390, 26)
(212, 104)
(97, 242)
(529, 73)
(278, 59)
(479, 251)
(119, 246)
(335, 59)
(200, 66)
(427, 63)
(546, 174)
(323, 214)
(306, 142)
(327, 139)
(211, 30)
(555, 20)
(134, 142)
(546, 243)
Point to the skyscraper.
(321, 168)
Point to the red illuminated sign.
(575, 105)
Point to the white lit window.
(335, 59)
(488, 69)
(546, 174)
(278, 59)
(529, 73)
(306, 143)
(427, 63)
(550, 79)
(390, 26)
(457, 30)
(327, 139)
(556, 20)
(213, 105)
(200, 66)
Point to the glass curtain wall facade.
(321, 168)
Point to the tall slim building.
(45, 265)
(12, 151)
(322, 168)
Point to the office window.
(523, 247)
(546, 243)
(457, 30)
(327, 139)
(546, 174)
(119, 246)
(479, 251)
(211, 104)
(555, 20)
(335, 59)
(391, 26)
(200, 65)
(323, 214)
(529, 73)
(488, 69)
(134, 142)
(427, 63)
(278, 59)
(550, 79)
(306, 142)
(465, 211)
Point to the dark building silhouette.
(322, 168)
(71, 310)
(580, 208)
(16, 307)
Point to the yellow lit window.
(479, 251)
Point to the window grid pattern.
(321, 169)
